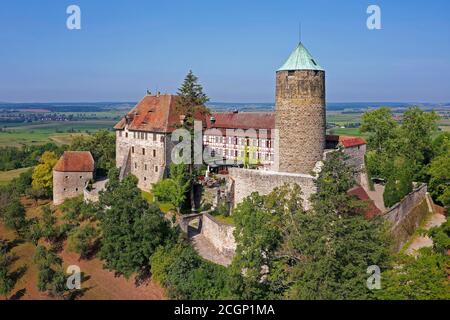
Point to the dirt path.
(419, 242)
(102, 284)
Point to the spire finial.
(299, 32)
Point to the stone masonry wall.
(356, 157)
(404, 218)
(69, 185)
(248, 181)
(219, 234)
(148, 155)
(300, 119)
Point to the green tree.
(439, 171)
(34, 233)
(421, 278)
(47, 225)
(102, 147)
(441, 237)
(83, 240)
(174, 189)
(381, 127)
(179, 268)
(14, 215)
(192, 100)
(285, 252)
(131, 228)
(416, 133)
(191, 104)
(43, 173)
(51, 277)
(6, 277)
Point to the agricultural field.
(343, 119)
(7, 176)
(346, 132)
(18, 134)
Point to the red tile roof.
(159, 114)
(152, 114)
(75, 161)
(347, 141)
(371, 209)
(242, 120)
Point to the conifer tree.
(191, 104)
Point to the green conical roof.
(301, 59)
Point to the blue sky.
(125, 47)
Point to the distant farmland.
(17, 134)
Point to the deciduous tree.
(43, 173)
(131, 228)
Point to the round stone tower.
(300, 112)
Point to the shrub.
(187, 276)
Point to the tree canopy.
(173, 190)
(102, 147)
(43, 173)
(131, 227)
(400, 153)
(284, 251)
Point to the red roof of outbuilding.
(75, 161)
(347, 141)
(371, 210)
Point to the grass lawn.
(7, 176)
(225, 219)
(165, 207)
(18, 134)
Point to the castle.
(285, 146)
(259, 150)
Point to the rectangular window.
(126, 134)
(135, 165)
(146, 136)
(156, 168)
(132, 149)
(162, 138)
(154, 153)
(143, 151)
(154, 137)
(145, 167)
